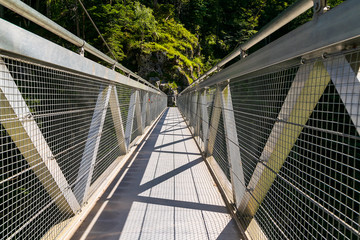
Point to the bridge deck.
(166, 192)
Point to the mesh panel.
(323, 167)
(210, 100)
(257, 102)
(56, 126)
(220, 151)
(124, 94)
(298, 133)
(136, 125)
(21, 194)
(59, 103)
(108, 148)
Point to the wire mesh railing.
(65, 123)
(283, 140)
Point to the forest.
(169, 43)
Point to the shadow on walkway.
(166, 192)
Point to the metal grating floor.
(166, 192)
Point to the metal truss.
(290, 124)
(65, 121)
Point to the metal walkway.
(165, 192)
(280, 128)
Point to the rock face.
(156, 66)
(173, 58)
(151, 65)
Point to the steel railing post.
(204, 118)
(133, 111)
(138, 114)
(117, 119)
(194, 113)
(88, 159)
(232, 144)
(214, 122)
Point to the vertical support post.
(144, 110)
(188, 107)
(204, 119)
(117, 119)
(234, 157)
(134, 106)
(214, 122)
(154, 100)
(147, 116)
(189, 100)
(154, 106)
(198, 116)
(151, 108)
(138, 114)
(92, 145)
(194, 111)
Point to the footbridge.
(263, 146)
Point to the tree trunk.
(155, 4)
(48, 14)
(77, 21)
(83, 28)
(1, 11)
(37, 5)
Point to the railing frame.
(328, 34)
(75, 200)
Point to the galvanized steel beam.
(144, 110)
(194, 113)
(148, 119)
(214, 122)
(117, 119)
(232, 144)
(133, 108)
(138, 114)
(88, 159)
(204, 119)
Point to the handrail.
(31, 14)
(285, 17)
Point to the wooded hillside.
(168, 42)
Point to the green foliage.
(166, 40)
(133, 33)
(173, 85)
